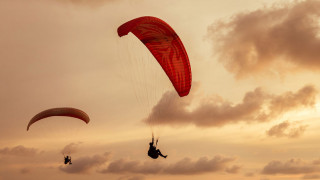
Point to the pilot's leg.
(158, 151)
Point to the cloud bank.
(256, 106)
(273, 39)
(292, 166)
(185, 166)
(134, 169)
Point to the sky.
(251, 114)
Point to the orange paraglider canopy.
(63, 111)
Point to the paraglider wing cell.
(166, 46)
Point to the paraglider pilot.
(153, 151)
(67, 160)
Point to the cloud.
(85, 164)
(25, 170)
(202, 165)
(185, 166)
(132, 178)
(234, 169)
(316, 162)
(87, 3)
(19, 151)
(311, 176)
(70, 148)
(249, 174)
(275, 39)
(292, 166)
(133, 166)
(285, 129)
(256, 106)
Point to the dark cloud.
(275, 39)
(19, 151)
(85, 164)
(285, 129)
(292, 166)
(256, 106)
(185, 166)
(70, 148)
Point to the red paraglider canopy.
(166, 46)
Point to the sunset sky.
(252, 112)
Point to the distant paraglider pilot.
(153, 151)
(67, 160)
